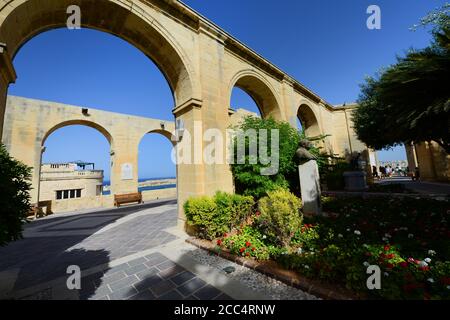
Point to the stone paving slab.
(138, 254)
(163, 280)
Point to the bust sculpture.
(302, 152)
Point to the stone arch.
(21, 20)
(309, 120)
(86, 123)
(165, 133)
(260, 90)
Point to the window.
(68, 194)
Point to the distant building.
(401, 164)
(61, 181)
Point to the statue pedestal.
(310, 187)
(355, 181)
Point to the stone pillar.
(411, 156)
(190, 169)
(310, 187)
(7, 76)
(124, 165)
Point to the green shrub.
(280, 216)
(213, 216)
(247, 175)
(14, 196)
(334, 175)
(232, 208)
(201, 213)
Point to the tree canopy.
(410, 100)
(14, 196)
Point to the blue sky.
(323, 44)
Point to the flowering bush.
(247, 243)
(408, 239)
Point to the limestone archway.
(309, 121)
(260, 90)
(80, 122)
(91, 181)
(164, 188)
(64, 124)
(22, 20)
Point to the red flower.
(253, 249)
(219, 242)
(425, 268)
(390, 266)
(247, 254)
(387, 247)
(241, 250)
(257, 213)
(390, 256)
(225, 235)
(248, 244)
(404, 264)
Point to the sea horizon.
(108, 182)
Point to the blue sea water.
(148, 188)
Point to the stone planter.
(355, 181)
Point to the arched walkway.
(20, 21)
(308, 121)
(260, 91)
(71, 181)
(157, 173)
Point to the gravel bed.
(254, 280)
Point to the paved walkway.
(134, 252)
(422, 187)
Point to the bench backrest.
(128, 196)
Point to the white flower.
(386, 274)
(430, 280)
(448, 287)
(340, 235)
(410, 236)
(385, 239)
(264, 236)
(357, 232)
(431, 252)
(427, 260)
(387, 235)
(299, 250)
(423, 264)
(306, 266)
(366, 264)
(348, 229)
(347, 215)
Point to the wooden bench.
(127, 198)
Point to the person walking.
(375, 172)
